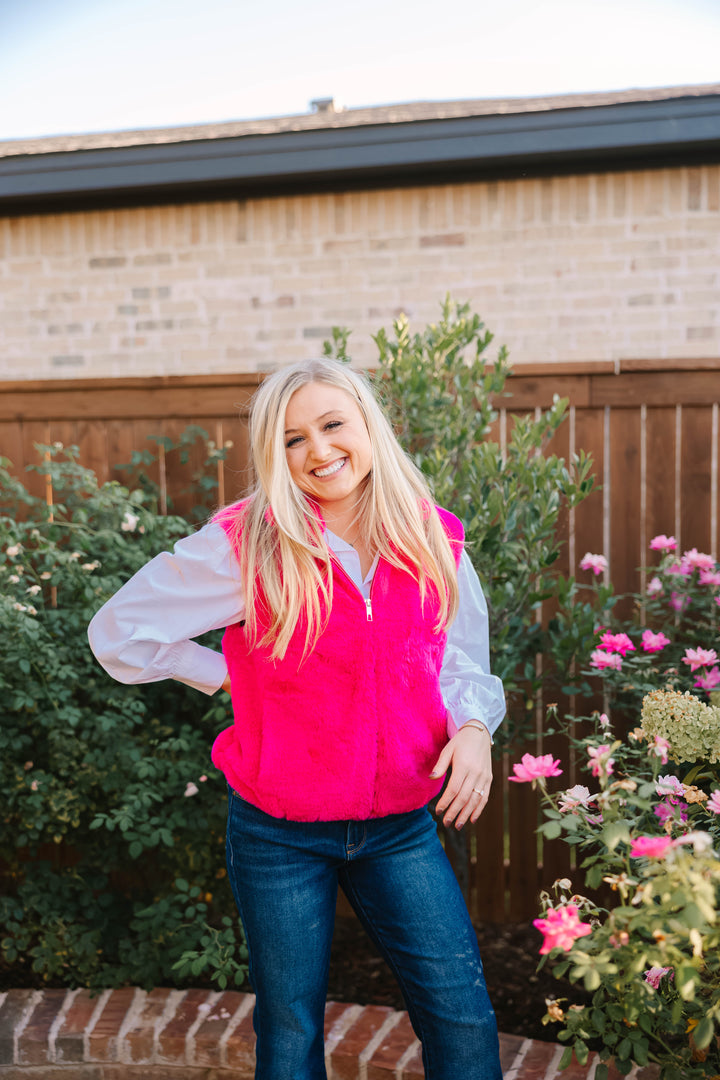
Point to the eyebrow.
(330, 412)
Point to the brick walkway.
(129, 1034)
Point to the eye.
(293, 442)
(333, 424)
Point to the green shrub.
(112, 870)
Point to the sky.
(76, 66)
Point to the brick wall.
(130, 1034)
(574, 268)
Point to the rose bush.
(111, 834)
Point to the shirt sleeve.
(144, 632)
(469, 691)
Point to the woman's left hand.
(468, 756)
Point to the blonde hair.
(285, 562)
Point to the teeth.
(330, 469)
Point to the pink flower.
(709, 680)
(709, 577)
(650, 847)
(600, 762)
(678, 602)
(596, 563)
(190, 789)
(696, 560)
(601, 660)
(616, 643)
(660, 748)
(663, 543)
(669, 785)
(654, 975)
(675, 570)
(698, 658)
(532, 768)
(655, 587)
(561, 927)
(604, 720)
(654, 642)
(713, 802)
(579, 795)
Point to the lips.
(329, 470)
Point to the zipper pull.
(368, 609)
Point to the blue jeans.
(393, 870)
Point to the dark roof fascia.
(668, 131)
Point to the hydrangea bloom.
(698, 658)
(663, 543)
(691, 727)
(654, 642)
(596, 563)
(532, 768)
(601, 660)
(561, 927)
(650, 847)
(620, 643)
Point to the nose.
(319, 447)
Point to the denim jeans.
(393, 870)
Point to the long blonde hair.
(278, 535)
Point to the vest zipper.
(368, 608)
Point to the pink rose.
(602, 660)
(663, 543)
(655, 587)
(655, 974)
(713, 803)
(709, 680)
(698, 658)
(678, 602)
(660, 747)
(650, 847)
(596, 563)
(601, 764)
(560, 927)
(696, 560)
(616, 643)
(654, 642)
(532, 768)
(709, 577)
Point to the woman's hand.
(468, 756)
(226, 684)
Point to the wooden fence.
(653, 432)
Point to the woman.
(357, 660)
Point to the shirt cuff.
(199, 667)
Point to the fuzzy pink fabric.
(354, 731)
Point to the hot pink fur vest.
(354, 730)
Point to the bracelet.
(481, 727)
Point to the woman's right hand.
(226, 684)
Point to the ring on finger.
(479, 791)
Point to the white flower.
(31, 610)
(34, 786)
(19, 607)
(129, 522)
(75, 555)
(701, 841)
(575, 796)
(13, 579)
(190, 789)
(14, 550)
(34, 590)
(669, 785)
(89, 566)
(45, 576)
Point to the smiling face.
(327, 445)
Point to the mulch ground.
(510, 958)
